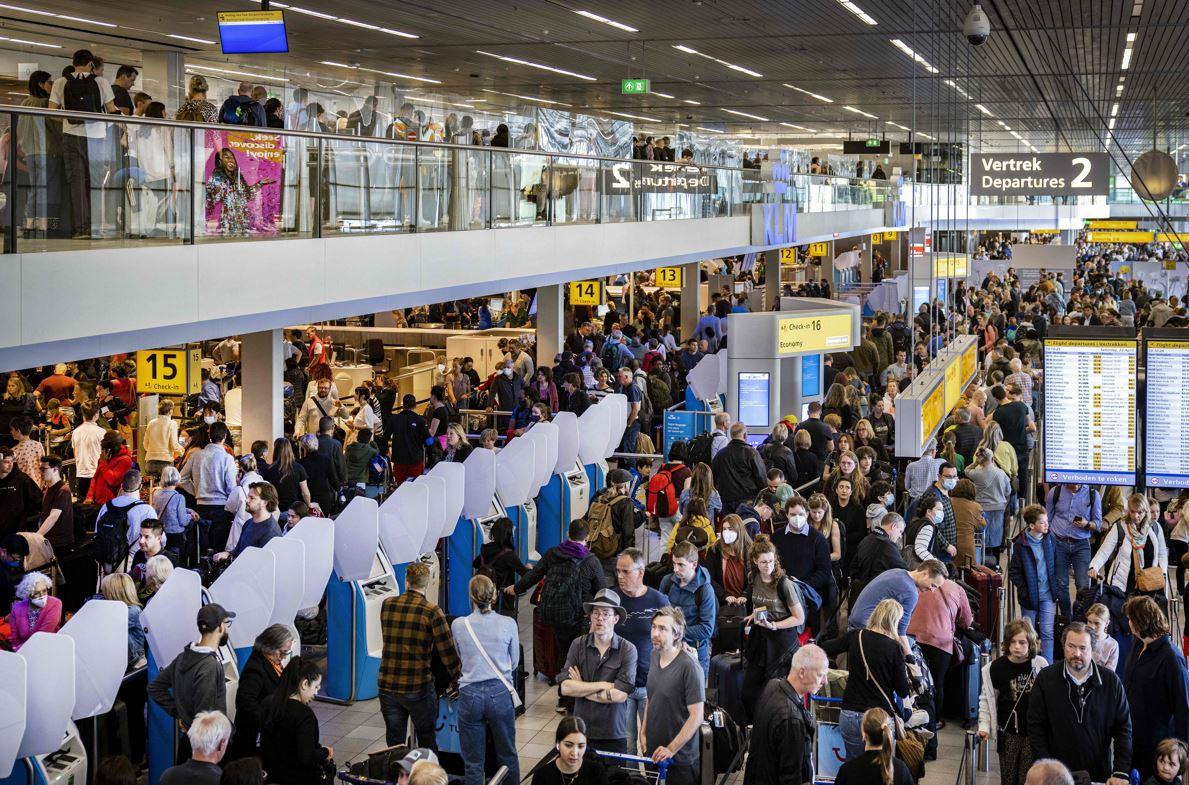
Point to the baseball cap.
(414, 756)
(211, 616)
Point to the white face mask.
(441, 368)
(39, 601)
(948, 483)
(209, 420)
(938, 516)
(729, 536)
(798, 522)
(508, 372)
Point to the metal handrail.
(809, 484)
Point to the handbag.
(516, 701)
(1147, 579)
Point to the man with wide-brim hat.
(600, 673)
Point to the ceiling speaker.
(1154, 175)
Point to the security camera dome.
(977, 28)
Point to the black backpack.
(110, 545)
(561, 596)
(699, 449)
(81, 94)
(238, 110)
(728, 739)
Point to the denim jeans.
(422, 706)
(635, 702)
(993, 537)
(484, 706)
(1070, 553)
(1042, 620)
(850, 724)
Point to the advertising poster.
(243, 176)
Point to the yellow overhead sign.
(788, 255)
(970, 361)
(889, 235)
(586, 293)
(876, 238)
(1172, 237)
(953, 384)
(932, 413)
(819, 249)
(668, 277)
(1120, 237)
(1044, 231)
(810, 334)
(1111, 224)
(948, 266)
(169, 371)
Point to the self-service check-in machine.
(516, 469)
(49, 748)
(565, 496)
(437, 548)
(13, 702)
(317, 535)
(290, 554)
(362, 580)
(437, 488)
(600, 430)
(248, 589)
(479, 511)
(404, 525)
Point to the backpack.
(561, 595)
(699, 449)
(487, 568)
(237, 110)
(646, 410)
(910, 537)
(111, 545)
(728, 739)
(604, 539)
(610, 356)
(81, 94)
(662, 494)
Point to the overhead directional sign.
(819, 249)
(668, 277)
(1040, 174)
(1120, 236)
(788, 255)
(1107, 224)
(169, 371)
(586, 293)
(633, 86)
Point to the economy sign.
(828, 333)
(1040, 174)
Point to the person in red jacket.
(114, 461)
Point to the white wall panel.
(10, 301)
(239, 278)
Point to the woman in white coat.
(1135, 540)
(1003, 701)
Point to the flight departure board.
(1089, 410)
(1166, 423)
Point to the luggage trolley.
(829, 751)
(636, 766)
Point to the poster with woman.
(244, 173)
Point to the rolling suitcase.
(545, 661)
(725, 687)
(728, 631)
(706, 754)
(519, 677)
(987, 583)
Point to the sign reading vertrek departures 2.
(1040, 174)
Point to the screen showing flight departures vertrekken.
(1089, 412)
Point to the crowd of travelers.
(735, 577)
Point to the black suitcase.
(519, 677)
(728, 630)
(706, 754)
(725, 687)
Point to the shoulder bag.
(1147, 579)
(909, 746)
(516, 701)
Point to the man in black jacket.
(783, 735)
(1078, 713)
(407, 432)
(804, 552)
(877, 553)
(739, 472)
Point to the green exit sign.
(633, 86)
(873, 142)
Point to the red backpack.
(662, 493)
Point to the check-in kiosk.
(290, 555)
(479, 511)
(566, 494)
(404, 524)
(774, 358)
(593, 426)
(544, 435)
(437, 487)
(705, 384)
(100, 633)
(170, 621)
(362, 580)
(248, 589)
(453, 498)
(515, 469)
(618, 404)
(50, 750)
(13, 700)
(317, 535)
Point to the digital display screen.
(811, 375)
(1166, 423)
(1089, 409)
(252, 32)
(754, 392)
(920, 296)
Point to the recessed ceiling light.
(1110, 126)
(1115, 109)
(378, 71)
(633, 116)
(662, 95)
(808, 93)
(709, 130)
(24, 10)
(923, 135)
(540, 66)
(85, 20)
(1126, 59)
(30, 43)
(798, 127)
(310, 12)
(732, 66)
(526, 97)
(859, 12)
(983, 109)
(261, 77)
(897, 125)
(188, 38)
(906, 49)
(860, 111)
(607, 21)
(745, 114)
(1130, 37)
(687, 101)
(957, 89)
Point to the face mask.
(14, 564)
(39, 601)
(285, 659)
(889, 501)
(508, 372)
(729, 536)
(534, 417)
(209, 420)
(441, 368)
(949, 483)
(938, 516)
(798, 522)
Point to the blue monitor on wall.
(811, 375)
(754, 393)
(252, 32)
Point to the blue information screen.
(252, 32)
(754, 389)
(811, 375)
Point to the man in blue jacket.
(688, 588)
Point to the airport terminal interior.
(586, 392)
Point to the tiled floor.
(355, 730)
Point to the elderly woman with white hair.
(156, 572)
(170, 505)
(35, 610)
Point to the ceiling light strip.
(808, 93)
(526, 97)
(860, 112)
(607, 21)
(540, 66)
(906, 49)
(745, 114)
(732, 66)
(859, 12)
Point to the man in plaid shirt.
(414, 630)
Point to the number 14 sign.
(169, 371)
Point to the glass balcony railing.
(72, 181)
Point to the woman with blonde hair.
(700, 486)
(156, 572)
(875, 659)
(865, 437)
(489, 651)
(821, 517)
(120, 587)
(1133, 542)
(1005, 454)
(196, 108)
(878, 764)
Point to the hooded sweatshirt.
(192, 683)
(697, 601)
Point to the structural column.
(550, 323)
(262, 357)
(691, 305)
(163, 76)
(771, 279)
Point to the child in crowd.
(1172, 755)
(1106, 648)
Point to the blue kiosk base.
(351, 673)
(553, 514)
